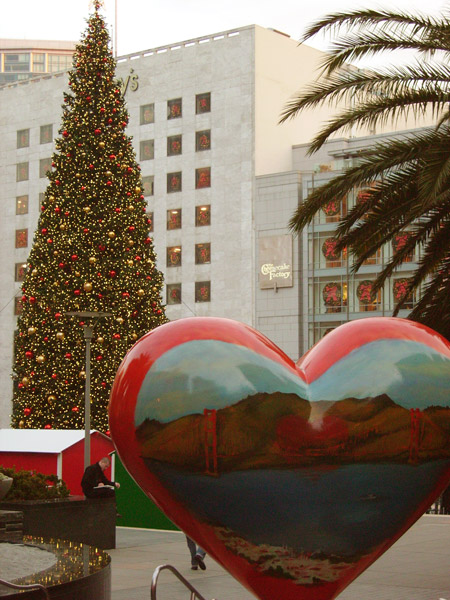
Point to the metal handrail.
(185, 582)
(31, 586)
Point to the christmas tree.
(91, 253)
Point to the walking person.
(197, 555)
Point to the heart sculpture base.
(294, 477)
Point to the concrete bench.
(76, 518)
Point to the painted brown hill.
(280, 430)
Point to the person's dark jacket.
(93, 475)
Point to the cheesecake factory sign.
(275, 262)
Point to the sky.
(145, 24)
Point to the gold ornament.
(140, 292)
(134, 336)
(130, 242)
(21, 424)
(77, 274)
(87, 287)
(78, 175)
(60, 336)
(111, 235)
(82, 374)
(51, 399)
(55, 252)
(87, 209)
(137, 189)
(119, 320)
(63, 226)
(100, 340)
(92, 260)
(34, 272)
(108, 173)
(40, 359)
(51, 198)
(101, 144)
(130, 262)
(31, 330)
(130, 207)
(25, 380)
(154, 290)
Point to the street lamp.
(88, 329)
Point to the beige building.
(23, 59)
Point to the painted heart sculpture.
(295, 477)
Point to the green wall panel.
(136, 508)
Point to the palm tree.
(408, 177)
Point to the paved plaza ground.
(417, 567)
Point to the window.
(21, 205)
(21, 238)
(22, 171)
(45, 165)
(202, 254)
(173, 293)
(147, 150)
(174, 256)
(173, 182)
(46, 135)
(398, 243)
(150, 222)
(17, 62)
(41, 200)
(20, 269)
(174, 108)
(400, 290)
(202, 140)
(59, 62)
(324, 254)
(174, 218)
(148, 185)
(174, 145)
(368, 299)
(203, 291)
(38, 62)
(23, 138)
(147, 112)
(203, 177)
(17, 306)
(202, 215)
(203, 103)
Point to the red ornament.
(116, 336)
(102, 248)
(131, 228)
(112, 157)
(77, 292)
(57, 182)
(102, 110)
(85, 230)
(125, 295)
(49, 241)
(67, 213)
(112, 273)
(65, 133)
(91, 166)
(74, 257)
(44, 231)
(32, 299)
(29, 354)
(46, 339)
(26, 411)
(97, 131)
(57, 209)
(68, 355)
(138, 258)
(48, 426)
(57, 315)
(117, 209)
(99, 357)
(75, 409)
(54, 376)
(109, 183)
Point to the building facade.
(221, 179)
(22, 59)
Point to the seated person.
(94, 481)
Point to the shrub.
(30, 485)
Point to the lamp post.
(88, 330)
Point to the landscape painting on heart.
(303, 473)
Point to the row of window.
(323, 254)
(175, 145)
(46, 136)
(174, 180)
(36, 62)
(357, 295)
(202, 255)
(202, 292)
(175, 108)
(173, 294)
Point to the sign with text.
(275, 262)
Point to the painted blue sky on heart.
(213, 374)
